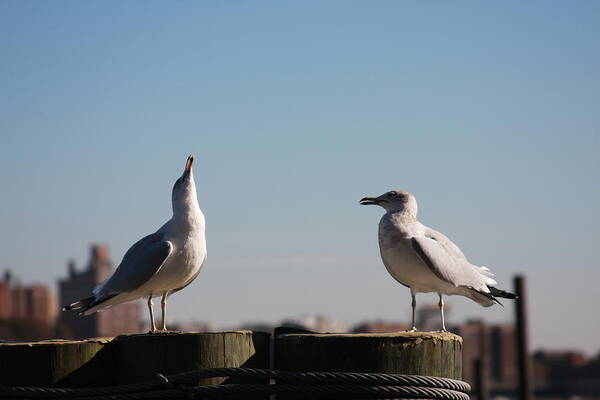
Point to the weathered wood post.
(129, 358)
(141, 357)
(68, 363)
(418, 353)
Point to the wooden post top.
(419, 353)
(408, 336)
(188, 333)
(108, 339)
(57, 342)
(129, 358)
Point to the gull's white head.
(184, 191)
(394, 201)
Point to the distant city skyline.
(486, 112)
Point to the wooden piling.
(415, 353)
(68, 363)
(419, 353)
(141, 357)
(129, 358)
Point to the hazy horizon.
(488, 113)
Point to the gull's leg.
(163, 306)
(150, 304)
(413, 305)
(441, 305)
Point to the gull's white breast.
(402, 262)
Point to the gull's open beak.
(366, 201)
(188, 164)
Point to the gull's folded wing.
(449, 266)
(446, 243)
(140, 263)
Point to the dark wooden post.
(129, 358)
(68, 363)
(525, 387)
(141, 357)
(420, 353)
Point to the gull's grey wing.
(139, 264)
(446, 243)
(450, 267)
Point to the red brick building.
(120, 319)
(32, 303)
(5, 300)
(41, 304)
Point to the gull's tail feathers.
(89, 305)
(487, 275)
(486, 271)
(489, 299)
(83, 303)
(482, 298)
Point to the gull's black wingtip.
(502, 293)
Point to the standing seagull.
(425, 260)
(159, 264)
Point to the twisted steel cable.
(184, 385)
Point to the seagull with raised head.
(426, 261)
(161, 263)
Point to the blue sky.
(488, 113)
